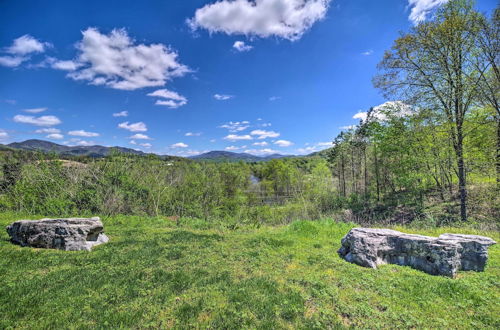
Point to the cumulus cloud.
(241, 46)
(3, 135)
(37, 121)
(283, 143)
(140, 136)
(234, 137)
(35, 110)
(48, 130)
(135, 127)
(261, 152)
(65, 65)
(11, 61)
(223, 97)
(232, 148)
(26, 45)
(192, 134)
(21, 49)
(314, 147)
(172, 99)
(421, 9)
(262, 134)
(367, 53)
(55, 136)
(361, 115)
(288, 19)
(84, 143)
(116, 61)
(274, 98)
(144, 145)
(236, 126)
(179, 145)
(121, 114)
(261, 144)
(83, 133)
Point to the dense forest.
(432, 157)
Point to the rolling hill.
(91, 151)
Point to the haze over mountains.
(102, 151)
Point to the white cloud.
(26, 45)
(367, 53)
(241, 46)
(261, 152)
(135, 127)
(83, 133)
(380, 113)
(146, 145)
(288, 19)
(37, 121)
(261, 144)
(48, 130)
(35, 110)
(262, 134)
(236, 126)
(234, 137)
(85, 143)
(232, 148)
(360, 115)
(12, 61)
(179, 145)
(173, 99)
(121, 114)
(421, 9)
(314, 148)
(116, 61)
(348, 127)
(20, 50)
(3, 135)
(55, 136)
(79, 142)
(283, 143)
(192, 134)
(65, 65)
(223, 97)
(188, 153)
(140, 136)
(307, 150)
(274, 98)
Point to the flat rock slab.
(443, 255)
(70, 234)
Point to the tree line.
(442, 135)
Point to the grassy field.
(158, 274)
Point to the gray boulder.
(71, 234)
(443, 255)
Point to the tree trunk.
(498, 153)
(376, 172)
(462, 181)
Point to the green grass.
(155, 274)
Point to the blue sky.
(280, 76)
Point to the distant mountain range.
(90, 151)
(227, 156)
(101, 151)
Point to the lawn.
(155, 273)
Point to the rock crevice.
(443, 255)
(70, 234)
